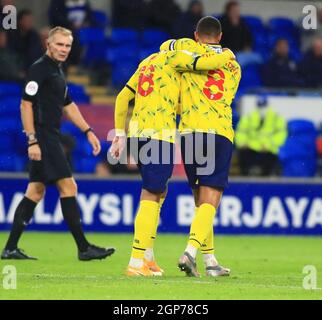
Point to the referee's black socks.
(72, 217)
(23, 215)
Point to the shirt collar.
(51, 61)
(215, 46)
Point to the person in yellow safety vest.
(258, 138)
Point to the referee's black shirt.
(46, 88)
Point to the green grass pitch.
(262, 268)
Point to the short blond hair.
(61, 30)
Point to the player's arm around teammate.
(209, 120)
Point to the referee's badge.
(31, 88)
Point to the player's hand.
(117, 147)
(233, 57)
(95, 143)
(34, 152)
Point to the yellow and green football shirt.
(206, 96)
(156, 88)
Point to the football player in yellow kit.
(156, 88)
(206, 121)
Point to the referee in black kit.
(45, 100)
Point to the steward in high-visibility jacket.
(261, 134)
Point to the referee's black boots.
(94, 252)
(16, 254)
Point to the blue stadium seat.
(124, 52)
(123, 36)
(7, 143)
(301, 126)
(122, 71)
(295, 147)
(278, 24)
(260, 35)
(68, 127)
(298, 156)
(250, 77)
(10, 106)
(20, 143)
(154, 37)
(89, 35)
(10, 162)
(10, 89)
(95, 42)
(105, 145)
(78, 93)
(85, 164)
(145, 52)
(285, 28)
(9, 125)
(100, 18)
(253, 22)
(82, 148)
(300, 168)
(95, 53)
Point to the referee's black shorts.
(54, 164)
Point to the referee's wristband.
(88, 130)
(33, 144)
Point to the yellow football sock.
(155, 230)
(201, 225)
(143, 227)
(208, 245)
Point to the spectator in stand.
(70, 14)
(236, 35)
(186, 24)
(44, 34)
(280, 70)
(25, 41)
(73, 15)
(162, 15)
(128, 14)
(10, 66)
(311, 66)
